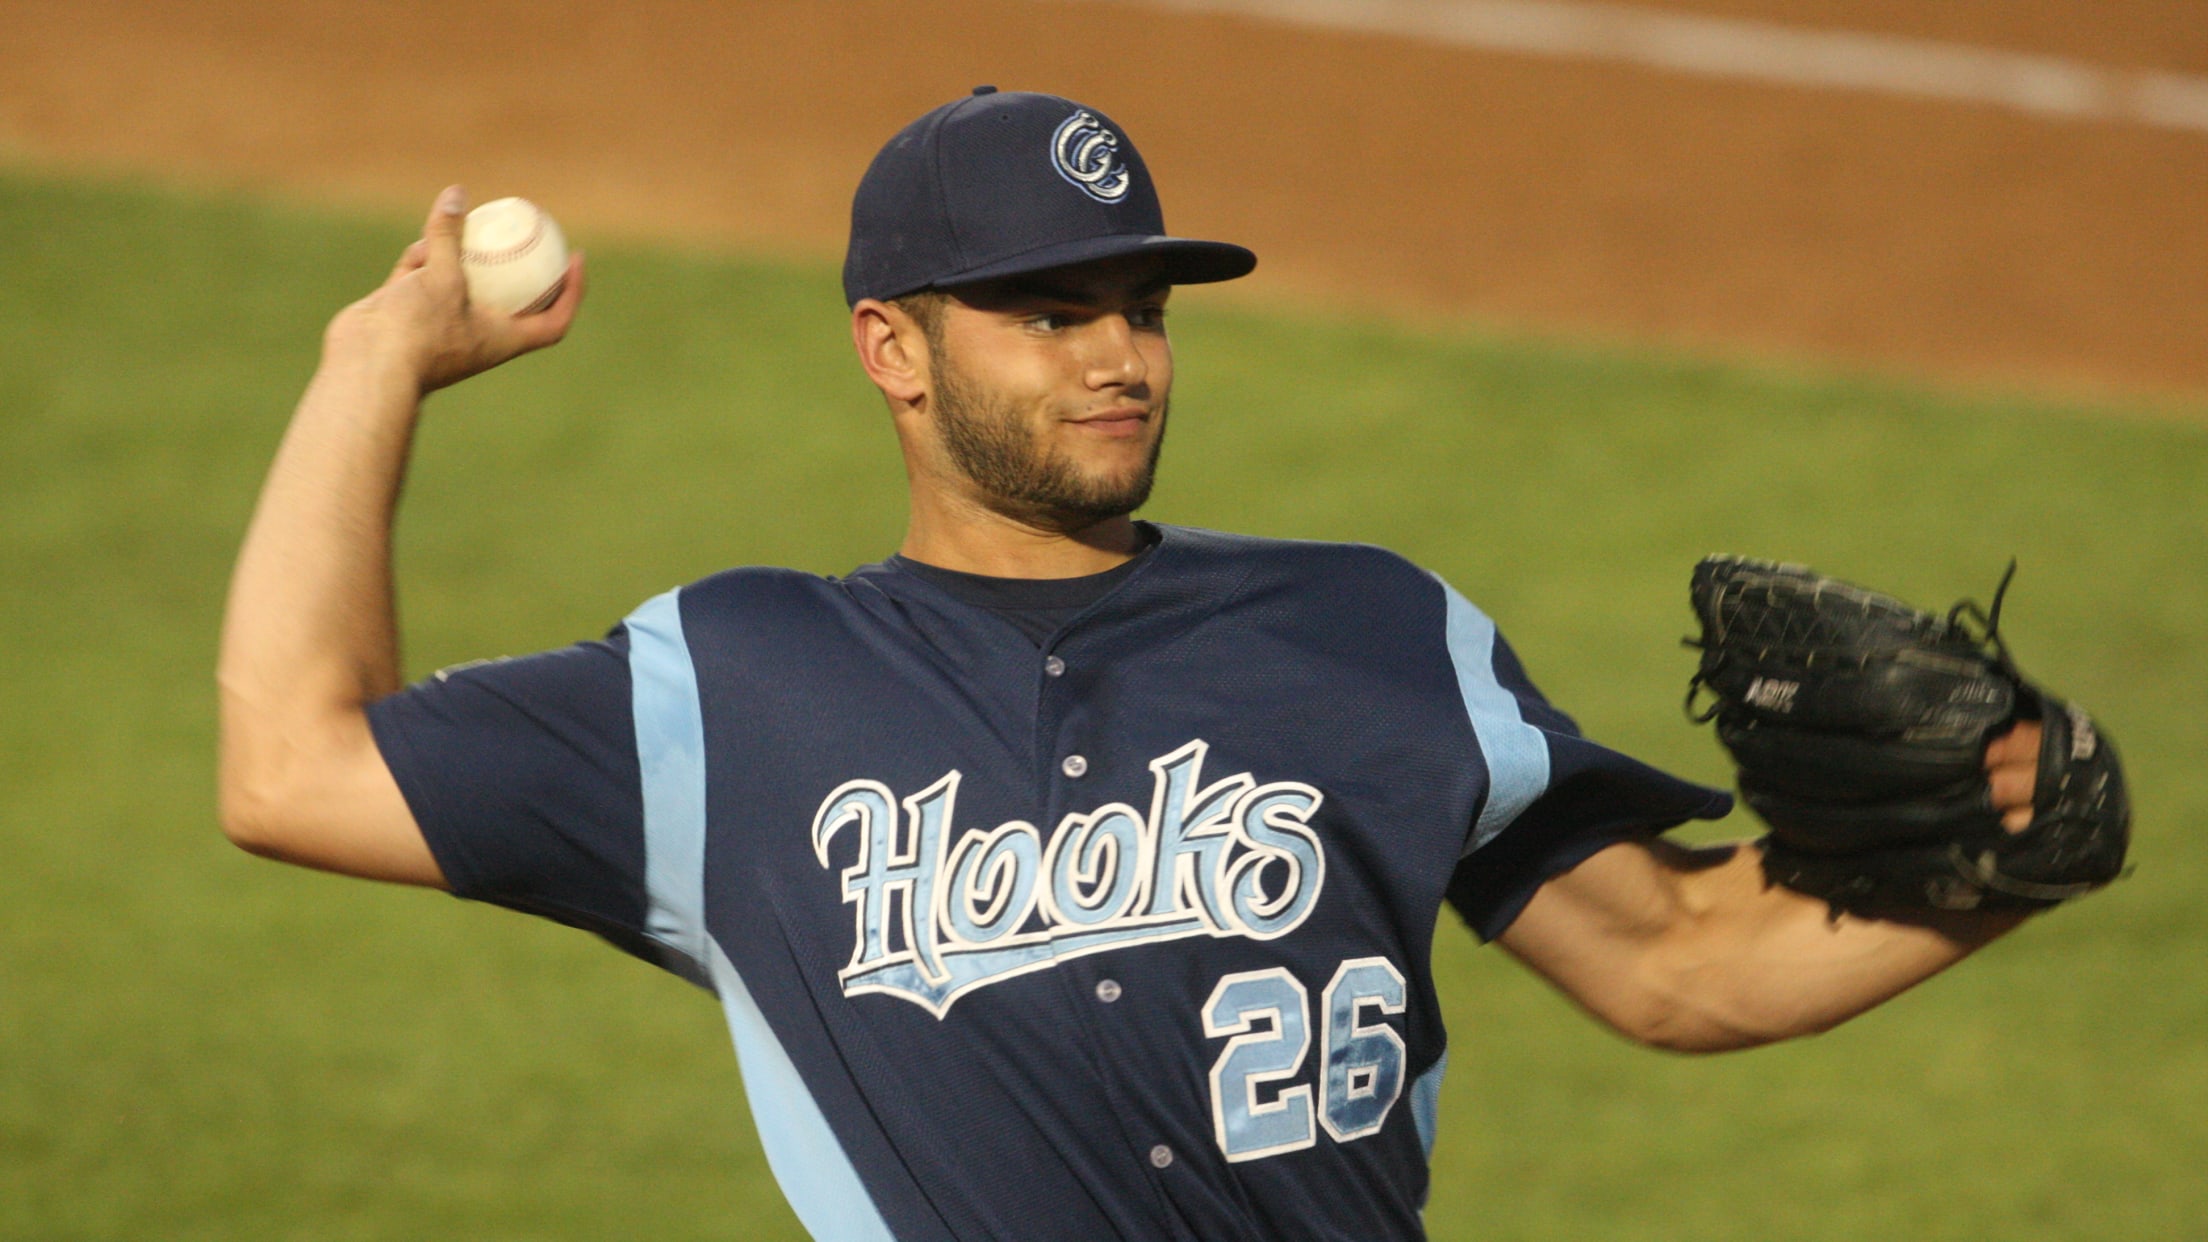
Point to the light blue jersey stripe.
(1426, 1102)
(1516, 752)
(816, 1176)
(670, 751)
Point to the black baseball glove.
(1860, 726)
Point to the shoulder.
(771, 612)
(758, 582)
(1339, 565)
(1365, 601)
(757, 592)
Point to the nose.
(1114, 357)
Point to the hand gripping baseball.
(1900, 757)
(421, 319)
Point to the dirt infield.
(1367, 171)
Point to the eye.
(1050, 321)
(1151, 315)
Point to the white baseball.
(513, 255)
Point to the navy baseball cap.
(1003, 183)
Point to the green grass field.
(198, 1045)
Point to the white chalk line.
(1759, 51)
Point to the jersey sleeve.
(524, 778)
(1554, 797)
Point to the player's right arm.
(310, 634)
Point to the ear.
(892, 349)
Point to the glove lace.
(1988, 622)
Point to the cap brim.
(1183, 260)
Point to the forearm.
(1752, 963)
(1693, 950)
(310, 635)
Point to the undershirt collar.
(1037, 607)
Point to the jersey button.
(1161, 1156)
(1054, 666)
(1074, 765)
(1107, 990)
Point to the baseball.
(514, 256)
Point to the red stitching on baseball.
(515, 251)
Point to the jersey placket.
(1073, 774)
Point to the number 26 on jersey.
(1360, 1057)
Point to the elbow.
(248, 774)
(251, 816)
(261, 794)
(266, 767)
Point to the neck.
(975, 540)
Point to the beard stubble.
(1020, 477)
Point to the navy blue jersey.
(1124, 935)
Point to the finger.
(2016, 819)
(416, 254)
(2019, 745)
(550, 324)
(441, 233)
(2012, 788)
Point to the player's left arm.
(1694, 950)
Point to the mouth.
(1121, 421)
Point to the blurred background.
(1996, 189)
(1554, 297)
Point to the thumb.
(442, 232)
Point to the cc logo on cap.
(1087, 154)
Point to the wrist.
(374, 389)
(359, 347)
(384, 372)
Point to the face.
(1050, 391)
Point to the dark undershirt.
(1036, 607)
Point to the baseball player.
(1062, 875)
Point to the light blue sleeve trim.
(815, 1175)
(1517, 754)
(670, 753)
